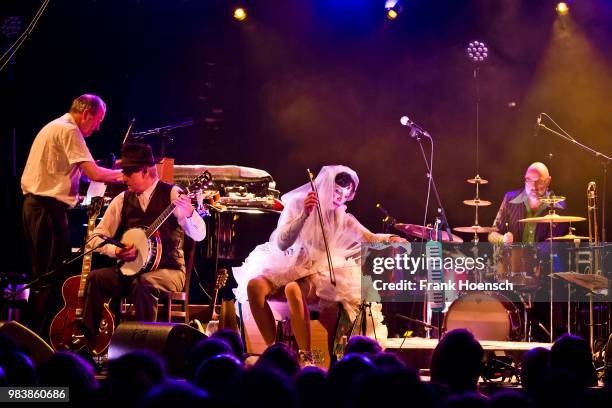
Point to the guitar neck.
(86, 268)
(160, 220)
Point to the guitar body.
(149, 251)
(66, 333)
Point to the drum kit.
(493, 316)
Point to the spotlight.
(477, 51)
(240, 13)
(394, 8)
(562, 8)
(392, 14)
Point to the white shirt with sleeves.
(193, 226)
(52, 168)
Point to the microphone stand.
(605, 160)
(162, 132)
(433, 183)
(52, 272)
(417, 134)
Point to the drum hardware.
(427, 233)
(551, 218)
(477, 180)
(552, 200)
(477, 202)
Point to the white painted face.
(341, 195)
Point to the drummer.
(526, 203)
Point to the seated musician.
(146, 198)
(527, 203)
(294, 265)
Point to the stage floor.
(417, 351)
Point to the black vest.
(171, 233)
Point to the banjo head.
(137, 237)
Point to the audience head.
(204, 350)
(233, 339)
(216, 373)
(68, 370)
(573, 354)
(362, 345)
(172, 393)
(281, 357)
(18, 369)
(457, 361)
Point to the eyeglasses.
(538, 182)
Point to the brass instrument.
(592, 219)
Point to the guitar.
(66, 332)
(220, 282)
(147, 241)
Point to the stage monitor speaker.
(31, 343)
(171, 341)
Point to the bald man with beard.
(526, 203)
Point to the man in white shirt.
(147, 197)
(50, 183)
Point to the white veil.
(307, 254)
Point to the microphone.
(112, 241)
(537, 126)
(415, 129)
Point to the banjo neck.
(151, 229)
(202, 180)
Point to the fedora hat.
(136, 155)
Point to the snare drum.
(488, 316)
(518, 264)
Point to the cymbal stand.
(550, 260)
(477, 202)
(527, 306)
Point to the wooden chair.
(175, 305)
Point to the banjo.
(147, 241)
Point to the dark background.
(306, 83)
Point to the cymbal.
(475, 229)
(552, 199)
(554, 217)
(425, 232)
(568, 237)
(477, 180)
(589, 281)
(477, 202)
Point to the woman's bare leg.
(299, 315)
(257, 290)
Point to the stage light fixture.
(240, 13)
(477, 51)
(393, 8)
(562, 8)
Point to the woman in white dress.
(294, 262)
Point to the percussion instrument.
(477, 202)
(488, 316)
(419, 231)
(475, 229)
(518, 264)
(552, 218)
